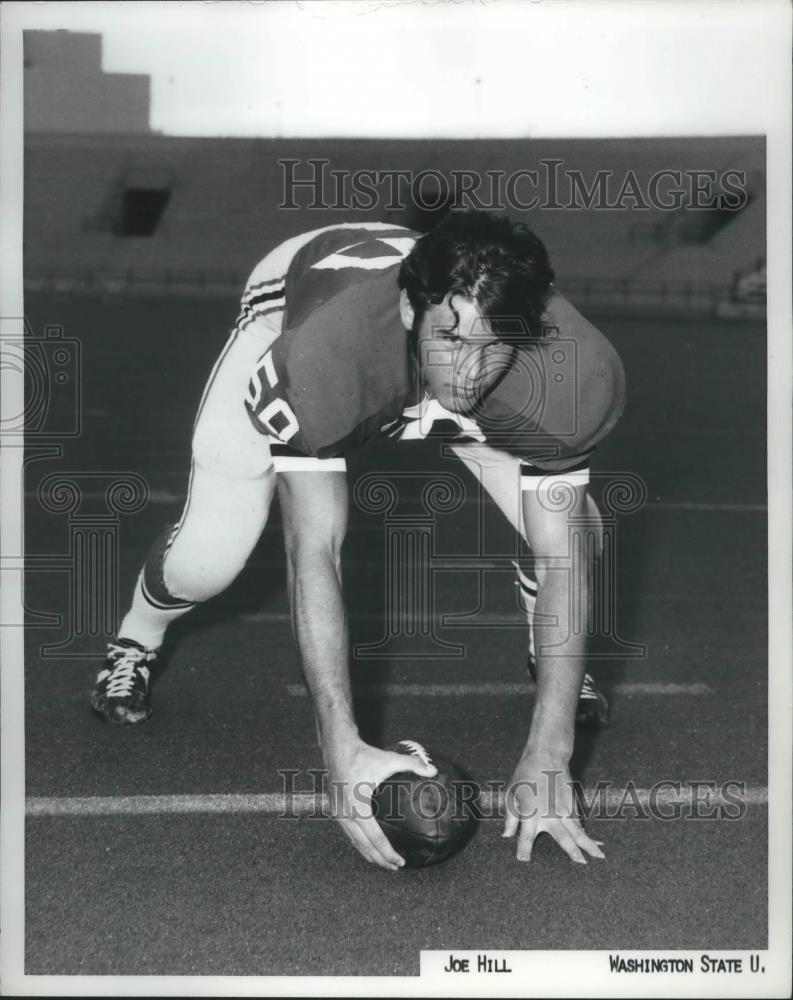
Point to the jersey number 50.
(275, 415)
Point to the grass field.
(206, 878)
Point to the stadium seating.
(221, 206)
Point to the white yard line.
(302, 804)
(500, 690)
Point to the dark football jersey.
(341, 371)
(563, 392)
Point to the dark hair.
(487, 258)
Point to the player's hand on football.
(540, 799)
(353, 775)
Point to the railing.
(135, 280)
(746, 296)
(663, 294)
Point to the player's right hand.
(354, 772)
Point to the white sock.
(527, 598)
(147, 620)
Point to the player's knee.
(189, 580)
(175, 573)
(198, 589)
(164, 593)
(207, 557)
(204, 574)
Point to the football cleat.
(593, 706)
(121, 692)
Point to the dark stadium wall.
(155, 211)
(112, 206)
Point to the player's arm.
(314, 510)
(540, 798)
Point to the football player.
(357, 330)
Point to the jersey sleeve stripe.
(246, 318)
(255, 292)
(264, 284)
(276, 293)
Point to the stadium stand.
(216, 208)
(112, 206)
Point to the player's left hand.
(540, 799)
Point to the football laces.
(418, 750)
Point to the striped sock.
(527, 599)
(153, 607)
(146, 622)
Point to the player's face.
(459, 355)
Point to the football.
(427, 820)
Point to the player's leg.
(501, 477)
(231, 487)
